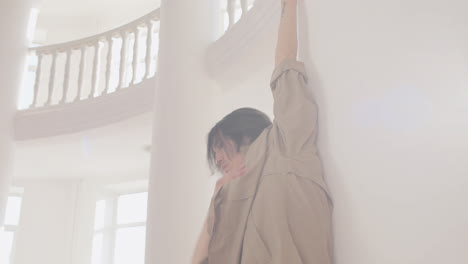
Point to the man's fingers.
(242, 171)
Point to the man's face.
(227, 157)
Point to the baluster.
(110, 40)
(149, 43)
(66, 78)
(38, 78)
(123, 58)
(135, 54)
(244, 6)
(81, 72)
(96, 63)
(51, 79)
(231, 9)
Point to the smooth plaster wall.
(391, 83)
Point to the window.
(7, 233)
(120, 228)
(29, 75)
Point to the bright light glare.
(97, 249)
(6, 243)
(130, 245)
(13, 210)
(100, 215)
(132, 208)
(33, 15)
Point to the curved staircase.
(109, 77)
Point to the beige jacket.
(281, 211)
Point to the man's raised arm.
(286, 46)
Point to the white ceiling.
(117, 150)
(92, 7)
(66, 20)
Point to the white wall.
(47, 221)
(84, 229)
(393, 100)
(393, 133)
(12, 54)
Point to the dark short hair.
(242, 126)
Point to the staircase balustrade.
(104, 63)
(235, 9)
(72, 71)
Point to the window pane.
(130, 245)
(97, 249)
(100, 214)
(132, 208)
(13, 210)
(6, 243)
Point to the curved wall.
(87, 114)
(390, 80)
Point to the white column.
(14, 16)
(180, 186)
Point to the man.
(272, 204)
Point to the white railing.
(101, 64)
(93, 66)
(234, 10)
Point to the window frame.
(110, 228)
(14, 192)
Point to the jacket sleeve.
(294, 108)
(293, 218)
